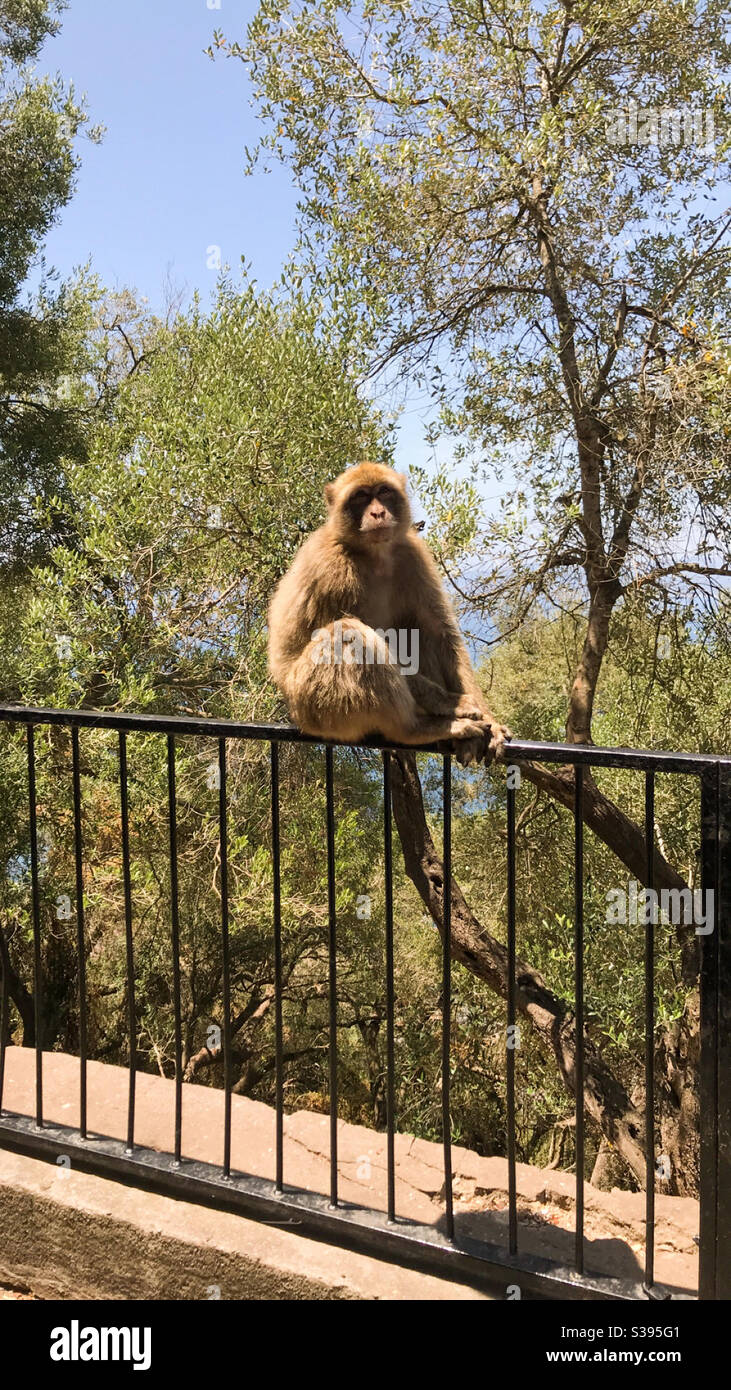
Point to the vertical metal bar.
(723, 919)
(715, 941)
(390, 1054)
(37, 965)
(710, 877)
(510, 1049)
(175, 942)
(579, 1005)
(332, 976)
(80, 934)
(650, 1034)
(225, 955)
(277, 923)
(447, 992)
(3, 1019)
(131, 1007)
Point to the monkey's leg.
(358, 690)
(432, 697)
(435, 700)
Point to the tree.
(42, 339)
(199, 483)
(519, 198)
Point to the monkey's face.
(368, 505)
(374, 513)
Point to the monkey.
(361, 589)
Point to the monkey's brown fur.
(368, 568)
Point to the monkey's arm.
(455, 690)
(445, 675)
(432, 696)
(445, 683)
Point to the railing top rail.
(520, 750)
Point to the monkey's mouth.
(378, 530)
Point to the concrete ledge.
(66, 1233)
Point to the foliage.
(44, 416)
(195, 494)
(474, 191)
(462, 205)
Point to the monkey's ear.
(329, 493)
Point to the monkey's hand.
(499, 735)
(479, 740)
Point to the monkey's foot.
(500, 734)
(469, 751)
(483, 744)
(469, 740)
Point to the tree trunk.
(608, 1170)
(20, 996)
(581, 705)
(677, 1069)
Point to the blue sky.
(167, 182)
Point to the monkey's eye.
(360, 497)
(386, 493)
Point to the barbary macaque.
(362, 636)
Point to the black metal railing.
(387, 1234)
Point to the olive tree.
(521, 201)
